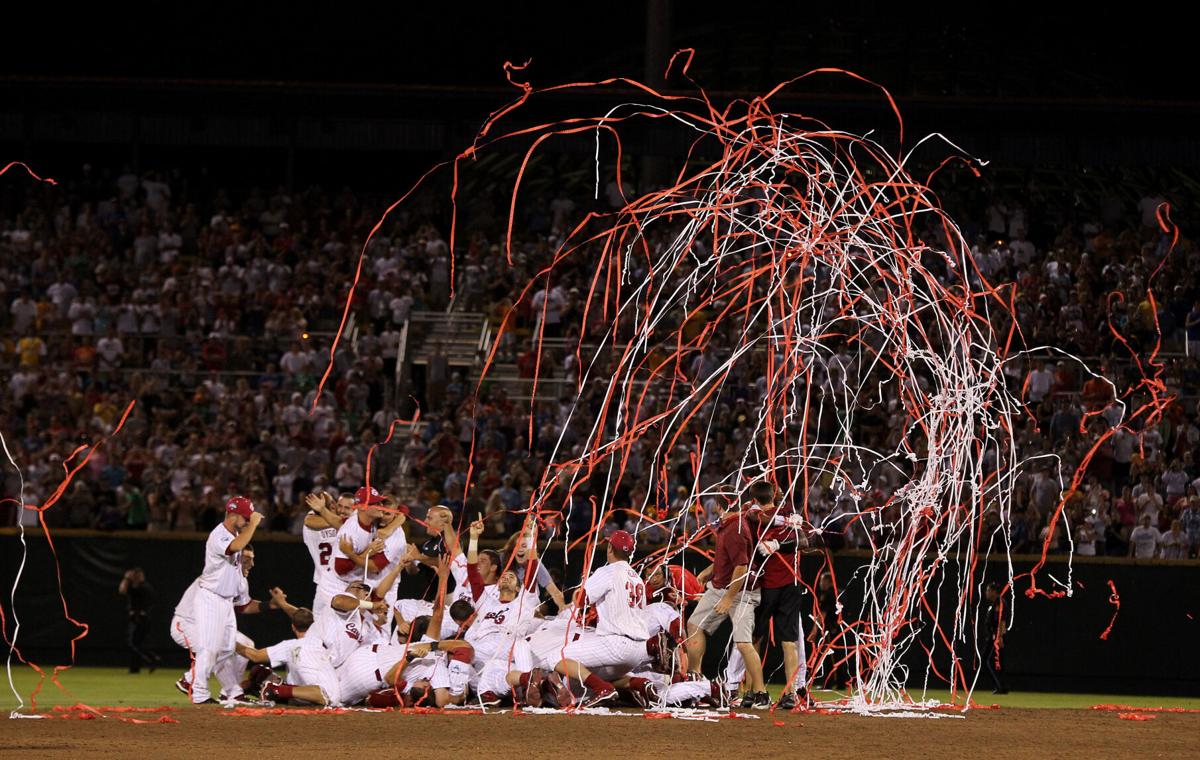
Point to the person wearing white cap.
(214, 629)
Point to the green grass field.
(113, 686)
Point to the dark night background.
(1019, 50)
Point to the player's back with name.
(618, 593)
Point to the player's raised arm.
(242, 540)
(348, 603)
(388, 580)
(439, 601)
(325, 517)
(453, 546)
(473, 577)
(557, 595)
(279, 601)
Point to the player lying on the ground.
(423, 669)
(310, 678)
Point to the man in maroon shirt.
(779, 610)
(731, 593)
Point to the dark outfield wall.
(1054, 644)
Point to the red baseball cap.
(240, 505)
(367, 496)
(621, 541)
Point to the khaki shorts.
(741, 613)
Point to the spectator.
(1144, 540)
(1174, 543)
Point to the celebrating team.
(490, 639)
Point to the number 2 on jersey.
(326, 550)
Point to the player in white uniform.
(311, 677)
(504, 616)
(422, 661)
(653, 682)
(230, 667)
(619, 642)
(320, 532)
(359, 532)
(213, 629)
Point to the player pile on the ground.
(490, 639)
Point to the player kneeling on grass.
(311, 677)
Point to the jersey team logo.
(496, 617)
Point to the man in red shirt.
(731, 593)
(779, 610)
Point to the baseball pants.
(607, 656)
(675, 694)
(230, 669)
(313, 668)
(547, 644)
(213, 633)
(361, 673)
(494, 673)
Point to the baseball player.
(407, 611)
(525, 563)
(359, 530)
(422, 662)
(320, 531)
(619, 641)
(311, 677)
(213, 628)
(655, 682)
(672, 584)
(230, 667)
(389, 548)
(504, 615)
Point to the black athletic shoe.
(787, 701)
(803, 699)
(756, 700)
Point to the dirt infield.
(1007, 733)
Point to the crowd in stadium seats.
(215, 311)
